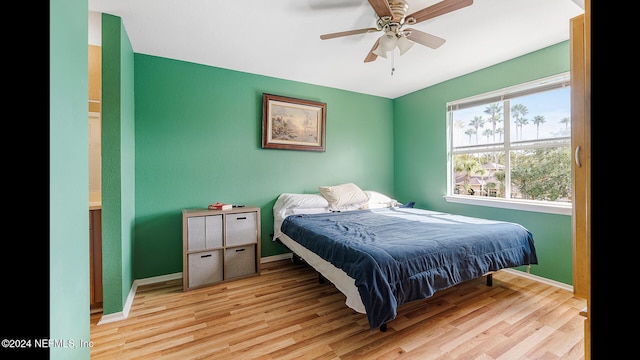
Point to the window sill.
(549, 208)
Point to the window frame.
(548, 83)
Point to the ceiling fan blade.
(347, 33)
(425, 39)
(371, 56)
(441, 8)
(381, 7)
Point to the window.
(512, 147)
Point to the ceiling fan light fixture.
(378, 51)
(404, 44)
(388, 41)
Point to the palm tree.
(476, 123)
(537, 120)
(566, 121)
(518, 111)
(488, 133)
(520, 123)
(470, 132)
(495, 116)
(469, 166)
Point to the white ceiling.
(281, 38)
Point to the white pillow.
(289, 204)
(344, 197)
(378, 200)
(304, 201)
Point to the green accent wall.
(198, 141)
(118, 164)
(420, 153)
(68, 186)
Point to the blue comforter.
(397, 255)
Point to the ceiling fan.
(392, 17)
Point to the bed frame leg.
(490, 280)
(296, 259)
(383, 328)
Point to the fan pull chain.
(393, 68)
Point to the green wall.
(420, 153)
(118, 163)
(68, 299)
(198, 141)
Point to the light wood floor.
(285, 313)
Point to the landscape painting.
(293, 124)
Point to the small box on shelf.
(220, 206)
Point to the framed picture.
(293, 124)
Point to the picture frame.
(293, 124)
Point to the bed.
(381, 255)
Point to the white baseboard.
(132, 293)
(156, 279)
(268, 259)
(539, 279)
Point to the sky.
(553, 105)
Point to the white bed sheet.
(292, 203)
(338, 277)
